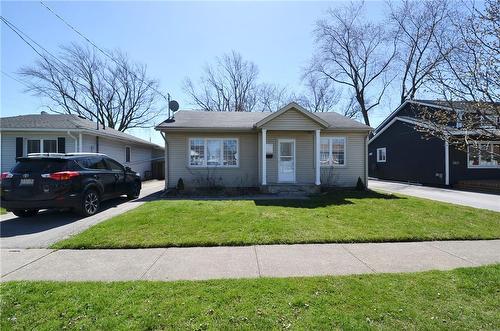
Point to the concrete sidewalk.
(464, 198)
(243, 262)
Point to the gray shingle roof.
(189, 119)
(465, 105)
(63, 122)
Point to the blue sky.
(174, 39)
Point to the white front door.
(286, 160)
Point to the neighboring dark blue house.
(397, 151)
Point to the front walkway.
(464, 198)
(244, 262)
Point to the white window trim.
(330, 151)
(130, 148)
(385, 153)
(41, 144)
(481, 166)
(205, 152)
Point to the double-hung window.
(41, 146)
(381, 154)
(484, 155)
(213, 152)
(332, 151)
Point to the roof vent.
(43, 112)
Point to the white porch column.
(317, 145)
(264, 160)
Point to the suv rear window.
(39, 166)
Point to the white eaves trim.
(391, 115)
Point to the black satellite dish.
(173, 105)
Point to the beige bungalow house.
(289, 148)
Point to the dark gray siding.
(409, 156)
(459, 170)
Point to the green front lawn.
(346, 216)
(462, 299)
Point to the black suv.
(79, 181)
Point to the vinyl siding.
(140, 156)
(8, 145)
(249, 172)
(245, 175)
(292, 120)
(410, 157)
(347, 176)
(304, 156)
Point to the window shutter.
(61, 145)
(19, 146)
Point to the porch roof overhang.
(293, 105)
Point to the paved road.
(244, 262)
(49, 227)
(471, 199)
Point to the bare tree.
(272, 97)
(320, 95)
(117, 94)
(469, 81)
(421, 29)
(354, 53)
(229, 85)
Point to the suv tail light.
(5, 175)
(62, 175)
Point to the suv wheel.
(134, 191)
(25, 212)
(90, 203)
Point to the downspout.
(80, 142)
(166, 158)
(75, 139)
(366, 161)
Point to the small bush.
(360, 186)
(180, 185)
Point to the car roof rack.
(44, 154)
(83, 153)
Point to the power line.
(24, 36)
(17, 80)
(20, 35)
(99, 49)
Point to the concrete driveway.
(471, 199)
(51, 226)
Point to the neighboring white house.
(64, 133)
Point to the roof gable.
(424, 103)
(305, 115)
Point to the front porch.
(289, 151)
(289, 158)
